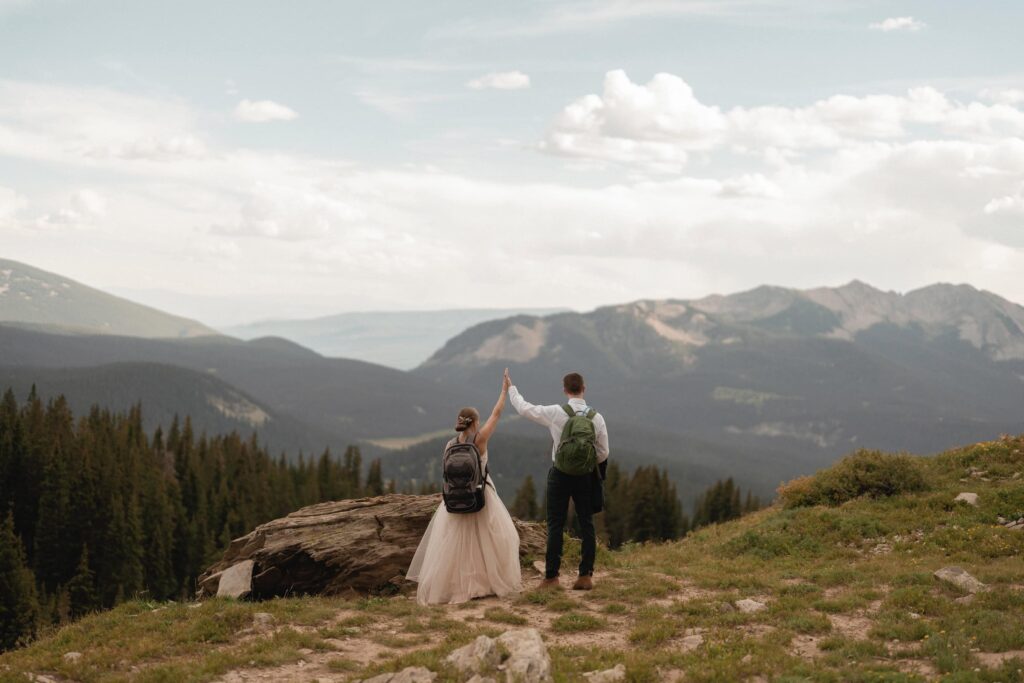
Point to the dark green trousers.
(562, 487)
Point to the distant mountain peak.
(35, 297)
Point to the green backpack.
(577, 453)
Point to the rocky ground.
(914, 587)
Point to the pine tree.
(81, 589)
(374, 479)
(525, 504)
(19, 607)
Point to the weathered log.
(329, 548)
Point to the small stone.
(969, 498)
(481, 679)
(964, 600)
(412, 674)
(692, 642)
(958, 576)
(747, 658)
(305, 651)
(263, 621)
(1001, 520)
(748, 606)
(607, 676)
(72, 656)
(913, 615)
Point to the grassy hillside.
(843, 564)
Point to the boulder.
(958, 576)
(72, 656)
(480, 655)
(528, 660)
(335, 547)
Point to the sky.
(237, 161)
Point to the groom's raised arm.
(539, 414)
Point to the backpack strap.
(590, 414)
(568, 410)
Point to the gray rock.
(339, 547)
(528, 660)
(481, 679)
(969, 498)
(72, 656)
(480, 655)
(236, 580)
(958, 577)
(263, 621)
(748, 606)
(692, 642)
(608, 675)
(412, 674)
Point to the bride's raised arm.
(484, 435)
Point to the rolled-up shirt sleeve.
(539, 414)
(601, 441)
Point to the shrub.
(862, 473)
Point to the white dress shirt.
(554, 418)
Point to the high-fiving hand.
(506, 381)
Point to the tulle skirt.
(466, 556)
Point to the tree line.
(95, 510)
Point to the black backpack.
(464, 477)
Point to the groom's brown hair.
(573, 383)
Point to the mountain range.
(762, 385)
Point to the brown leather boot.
(583, 583)
(548, 584)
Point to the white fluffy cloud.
(658, 125)
(501, 80)
(898, 24)
(262, 111)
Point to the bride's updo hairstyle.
(466, 419)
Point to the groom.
(562, 486)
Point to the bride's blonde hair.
(466, 419)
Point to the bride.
(469, 555)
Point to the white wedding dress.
(466, 556)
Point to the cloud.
(290, 213)
(896, 189)
(501, 80)
(261, 111)
(659, 125)
(398, 106)
(898, 24)
(10, 204)
(596, 15)
(95, 126)
(1010, 96)
(81, 209)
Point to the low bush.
(862, 473)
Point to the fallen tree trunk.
(362, 545)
